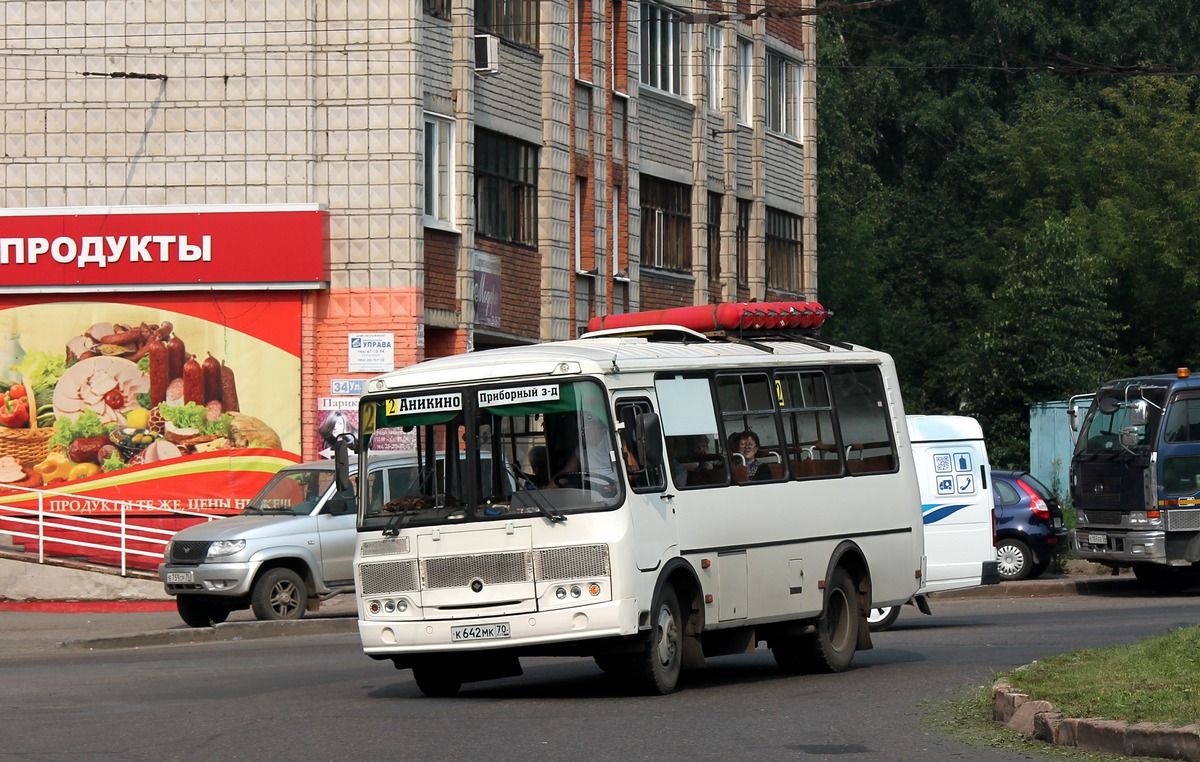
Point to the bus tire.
(196, 611)
(436, 681)
(881, 618)
(659, 664)
(623, 667)
(830, 647)
(278, 594)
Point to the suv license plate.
(176, 578)
(1097, 539)
(481, 631)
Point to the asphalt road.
(317, 697)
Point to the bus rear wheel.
(830, 647)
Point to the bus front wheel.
(662, 659)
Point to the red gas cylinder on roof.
(727, 316)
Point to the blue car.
(1029, 525)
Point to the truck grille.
(189, 551)
(1104, 518)
(1187, 520)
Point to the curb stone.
(229, 631)
(1038, 719)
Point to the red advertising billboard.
(145, 247)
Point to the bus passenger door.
(652, 511)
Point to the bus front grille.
(490, 568)
(572, 562)
(389, 577)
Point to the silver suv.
(291, 548)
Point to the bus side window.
(642, 476)
(863, 420)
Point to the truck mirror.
(1130, 437)
(341, 461)
(1073, 418)
(1138, 413)
(1108, 405)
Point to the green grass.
(968, 720)
(1155, 680)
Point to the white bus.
(593, 498)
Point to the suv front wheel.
(279, 594)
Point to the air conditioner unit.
(487, 54)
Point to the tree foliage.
(1008, 197)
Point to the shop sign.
(147, 247)
(487, 290)
(371, 352)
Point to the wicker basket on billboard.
(25, 445)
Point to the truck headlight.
(222, 548)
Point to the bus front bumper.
(386, 638)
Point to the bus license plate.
(176, 578)
(481, 631)
(1097, 539)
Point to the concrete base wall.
(31, 581)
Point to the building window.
(505, 188)
(662, 49)
(438, 8)
(745, 74)
(783, 250)
(439, 168)
(712, 63)
(783, 95)
(714, 235)
(514, 20)
(619, 109)
(618, 60)
(743, 240)
(666, 224)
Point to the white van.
(956, 506)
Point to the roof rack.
(726, 316)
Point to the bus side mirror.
(341, 462)
(649, 437)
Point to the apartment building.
(322, 189)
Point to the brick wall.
(441, 270)
(660, 292)
(520, 287)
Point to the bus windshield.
(482, 453)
